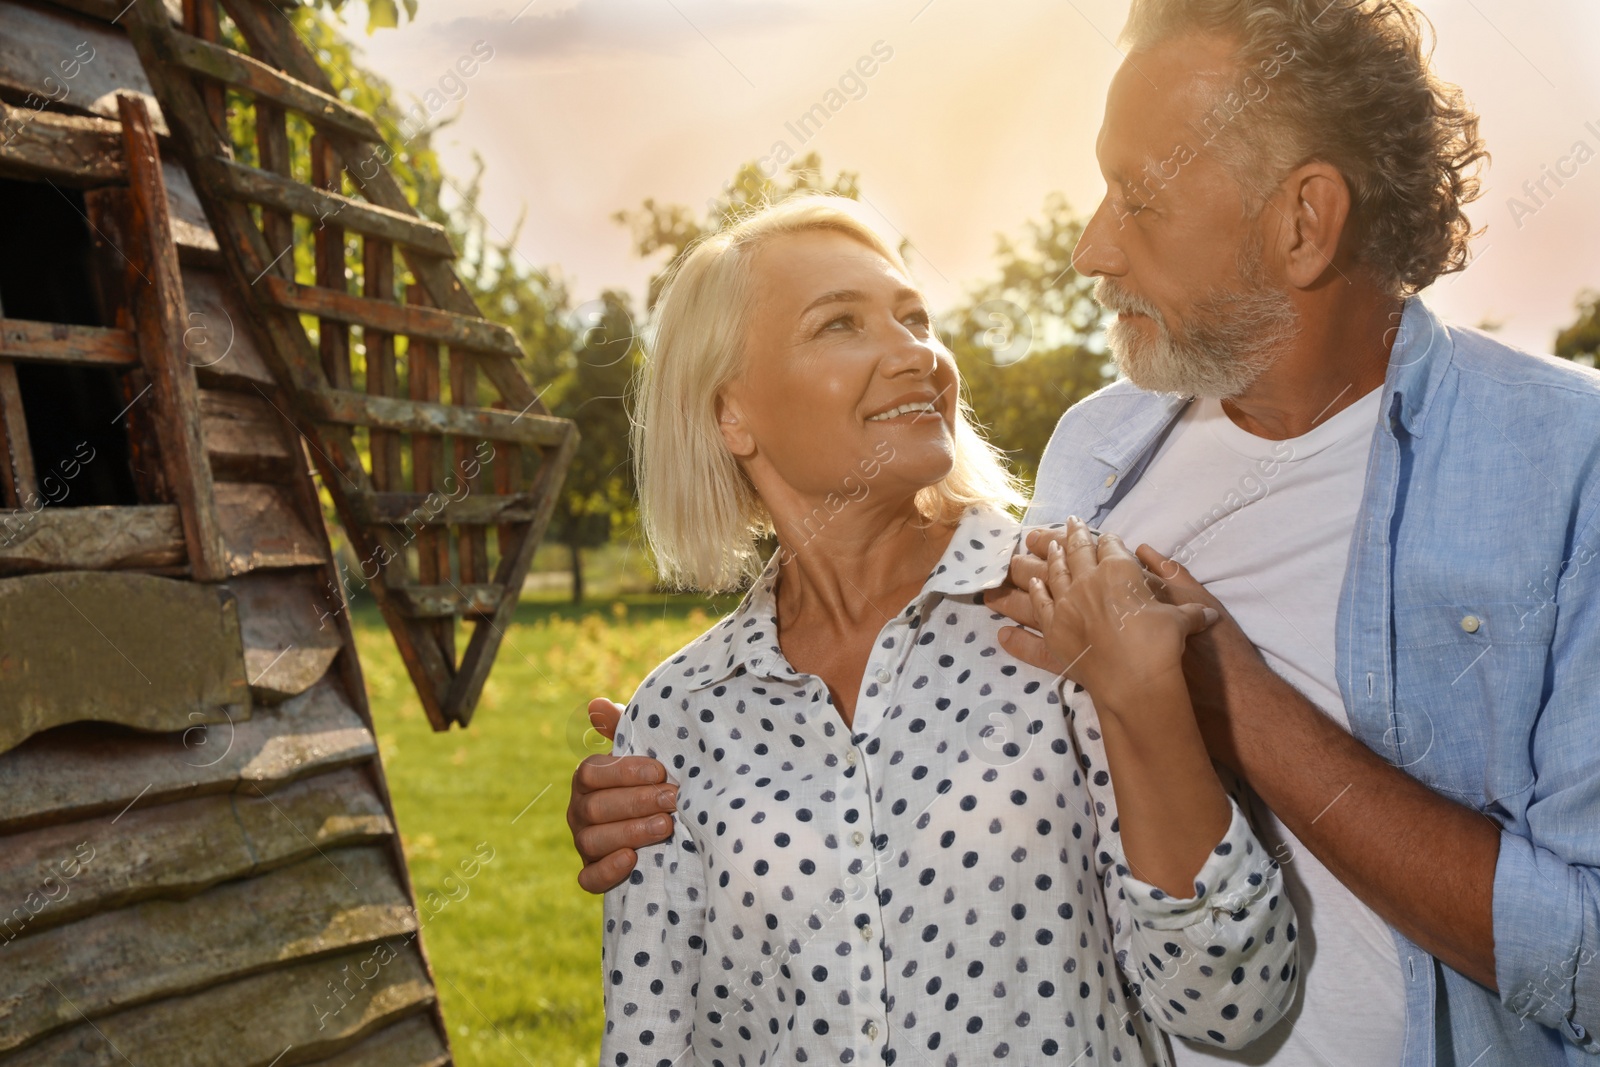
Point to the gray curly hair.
(1357, 92)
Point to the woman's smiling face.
(841, 366)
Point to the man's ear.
(1314, 211)
(731, 424)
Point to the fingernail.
(1210, 614)
(667, 798)
(660, 825)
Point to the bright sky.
(973, 112)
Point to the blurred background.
(574, 146)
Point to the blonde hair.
(1356, 91)
(700, 512)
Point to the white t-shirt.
(1266, 526)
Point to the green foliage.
(1021, 340)
(1580, 342)
(381, 14)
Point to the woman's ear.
(732, 426)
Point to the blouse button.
(1471, 623)
(866, 933)
(857, 837)
(872, 1031)
(884, 676)
(850, 757)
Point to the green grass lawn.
(514, 943)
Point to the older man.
(1399, 519)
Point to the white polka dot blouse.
(941, 883)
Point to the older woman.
(893, 843)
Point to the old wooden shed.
(198, 857)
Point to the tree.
(1025, 340)
(1580, 342)
(590, 386)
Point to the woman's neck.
(860, 567)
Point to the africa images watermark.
(1538, 191)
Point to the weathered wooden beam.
(55, 342)
(246, 438)
(50, 57)
(173, 850)
(66, 149)
(85, 771)
(200, 20)
(416, 416)
(413, 1042)
(261, 530)
(459, 331)
(286, 622)
(443, 601)
(285, 194)
(282, 1006)
(324, 110)
(272, 148)
(91, 539)
(415, 511)
(220, 343)
(80, 645)
(17, 477)
(161, 323)
(158, 948)
(333, 337)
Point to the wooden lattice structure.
(197, 846)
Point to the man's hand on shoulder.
(619, 804)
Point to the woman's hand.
(1100, 615)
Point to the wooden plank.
(245, 439)
(427, 476)
(66, 149)
(411, 512)
(286, 194)
(190, 227)
(219, 342)
(272, 147)
(288, 640)
(17, 476)
(252, 1022)
(200, 20)
(458, 331)
(333, 337)
(261, 530)
(85, 770)
(91, 539)
(324, 110)
(415, 1042)
(55, 342)
(69, 62)
(160, 948)
(412, 416)
(178, 849)
(160, 325)
(471, 542)
(441, 601)
(377, 281)
(81, 645)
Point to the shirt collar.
(1421, 353)
(977, 558)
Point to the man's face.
(1174, 251)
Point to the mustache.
(1110, 295)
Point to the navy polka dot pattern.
(940, 883)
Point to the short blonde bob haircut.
(700, 512)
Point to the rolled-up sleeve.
(1219, 967)
(1547, 879)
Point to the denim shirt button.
(1470, 623)
(1110, 480)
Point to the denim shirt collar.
(1419, 357)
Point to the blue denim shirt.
(1468, 650)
